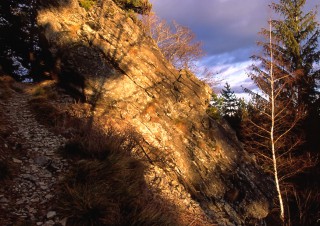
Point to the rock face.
(104, 58)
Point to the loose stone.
(51, 214)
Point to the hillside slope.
(104, 60)
(30, 150)
(107, 59)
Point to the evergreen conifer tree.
(297, 34)
(23, 54)
(230, 103)
(231, 108)
(286, 75)
(296, 52)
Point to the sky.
(228, 30)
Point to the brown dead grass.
(107, 186)
(45, 112)
(61, 117)
(5, 87)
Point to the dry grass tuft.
(46, 89)
(5, 87)
(45, 112)
(93, 143)
(86, 203)
(107, 186)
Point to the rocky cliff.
(102, 56)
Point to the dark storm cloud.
(228, 29)
(222, 25)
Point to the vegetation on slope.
(138, 6)
(106, 185)
(87, 4)
(284, 120)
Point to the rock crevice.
(126, 79)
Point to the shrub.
(87, 203)
(45, 90)
(108, 187)
(5, 87)
(87, 4)
(214, 112)
(138, 6)
(39, 91)
(55, 116)
(45, 112)
(94, 143)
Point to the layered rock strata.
(104, 57)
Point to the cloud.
(228, 29)
(236, 74)
(222, 25)
(238, 55)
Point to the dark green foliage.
(215, 107)
(295, 51)
(228, 106)
(21, 52)
(87, 4)
(298, 37)
(138, 6)
(230, 103)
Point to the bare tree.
(271, 130)
(176, 42)
(273, 138)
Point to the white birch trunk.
(274, 159)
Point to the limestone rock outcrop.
(105, 59)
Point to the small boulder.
(51, 214)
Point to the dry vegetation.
(106, 185)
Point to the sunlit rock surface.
(104, 58)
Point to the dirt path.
(32, 192)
